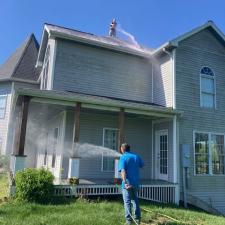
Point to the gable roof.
(107, 42)
(20, 65)
(175, 42)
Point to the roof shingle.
(21, 64)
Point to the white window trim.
(214, 79)
(106, 128)
(210, 152)
(6, 101)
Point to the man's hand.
(127, 186)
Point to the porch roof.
(96, 102)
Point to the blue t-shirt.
(131, 162)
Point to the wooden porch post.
(22, 126)
(121, 135)
(20, 135)
(77, 123)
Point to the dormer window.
(45, 70)
(207, 85)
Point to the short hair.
(126, 147)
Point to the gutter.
(137, 52)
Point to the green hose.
(164, 215)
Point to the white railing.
(166, 193)
(159, 193)
(86, 190)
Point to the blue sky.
(152, 22)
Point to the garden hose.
(164, 215)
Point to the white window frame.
(210, 152)
(214, 82)
(103, 140)
(4, 108)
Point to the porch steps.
(195, 201)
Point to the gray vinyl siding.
(11, 125)
(137, 133)
(98, 71)
(169, 127)
(5, 89)
(162, 80)
(202, 49)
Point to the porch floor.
(111, 182)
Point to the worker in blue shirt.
(129, 165)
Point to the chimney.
(112, 29)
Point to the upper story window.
(208, 92)
(44, 82)
(3, 100)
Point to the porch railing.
(157, 193)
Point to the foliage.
(34, 185)
(3, 186)
(74, 180)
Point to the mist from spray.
(86, 150)
(130, 37)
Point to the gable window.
(207, 88)
(110, 140)
(3, 100)
(45, 70)
(209, 153)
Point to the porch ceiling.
(96, 102)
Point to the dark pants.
(130, 199)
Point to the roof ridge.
(22, 55)
(67, 28)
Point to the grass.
(3, 186)
(95, 212)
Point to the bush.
(34, 185)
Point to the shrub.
(34, 185)
(74, 180)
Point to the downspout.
(175, 134)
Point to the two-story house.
(18, 71)
(101, 91)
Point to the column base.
(74, 168)
(18, 163)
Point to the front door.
(162, 154)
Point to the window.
(110, 140)
(3, 100)
(207, 88)
(209, 153)
(45, 70)
(217, 144)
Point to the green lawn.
(3, 186)
(83, 212)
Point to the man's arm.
(124, 178)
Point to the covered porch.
(50, 124)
